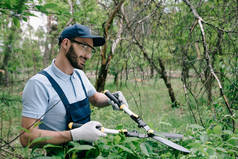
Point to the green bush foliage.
(203, 143)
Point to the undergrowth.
(150, 101)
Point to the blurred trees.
(195, 39)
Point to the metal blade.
(169, 135)
(171, 144)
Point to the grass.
(149, 100)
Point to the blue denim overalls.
(78, 112)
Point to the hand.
(87, 132)
(120, 97)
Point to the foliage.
(203, 143)
(214, 142)
(167, 30)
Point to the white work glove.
(87, 132)
(120, 97)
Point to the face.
(77, 54)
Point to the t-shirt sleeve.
(88, 85)
(34, 99)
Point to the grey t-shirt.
(39, 96)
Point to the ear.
(65, 45)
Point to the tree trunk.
(4, 78)
(116, 79)
(127, 70)
(151, 71)
(168, 84)
(152, 57)
(46, 57)
(9, 45)
(101, 80)
(161, 71)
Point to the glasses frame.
(84, 44)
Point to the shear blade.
(171, 144)
(169, 135)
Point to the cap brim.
(97, 40)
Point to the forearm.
(51, 137)
(99, 100)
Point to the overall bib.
(78, 112)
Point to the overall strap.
(82, 84)
(57, 88)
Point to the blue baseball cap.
(81, 31)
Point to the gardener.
(61, 93)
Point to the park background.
(174, 60)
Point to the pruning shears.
(127, 133)
(141, 124)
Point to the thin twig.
(188, 102)
(29, 126)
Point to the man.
(61, 93)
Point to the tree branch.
(70, 2)
(208, 59)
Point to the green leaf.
(41, 8)
(195, 145)
(144, 149)
(16, 22)
(217, 130)
(117, 139)
(29, 14)
(50, 5)
(233, 141)
(36, 124)
(124, 149)
(221, 149)
(40, 139)
(80, 148)
(73, 143)
(24, 18)
(210, 150)
(25, 130)
(204, 138)
(132, 139)
(195, 126)
(51, 146)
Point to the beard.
(73, 58)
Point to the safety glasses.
(86, 47)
